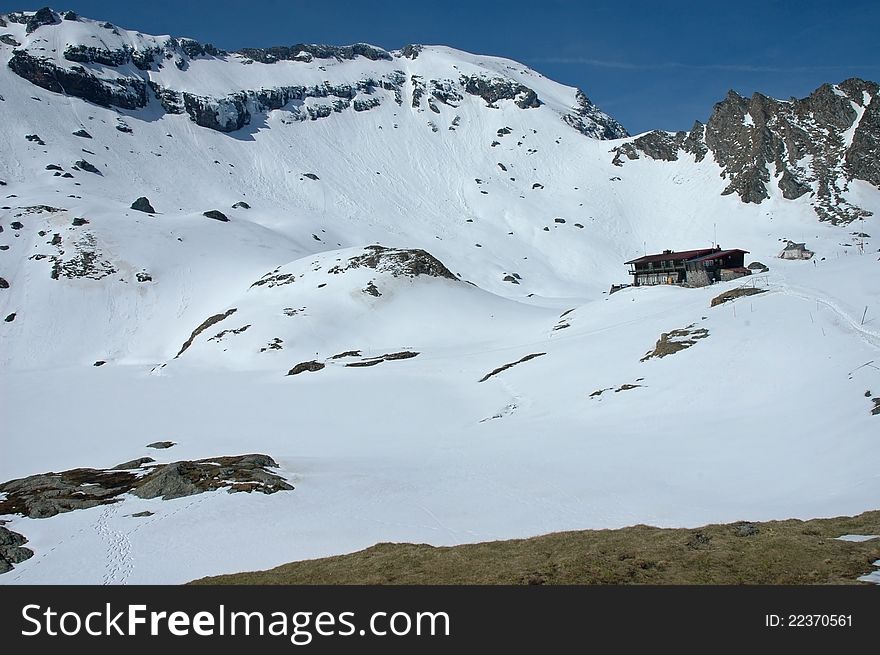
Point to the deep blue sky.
(650, 64)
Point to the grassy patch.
(670, 343)
(775, 552)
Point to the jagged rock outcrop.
(44, 16)
(12, 550)
(664, 146)
(814, 145)
(398, 262)
(499, 88)
(47, 494)
(590, 121)
(307, 51)
(124, 92)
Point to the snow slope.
(764, 418)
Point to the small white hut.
(794, 250)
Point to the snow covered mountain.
(330, 255)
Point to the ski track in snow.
(870, 337)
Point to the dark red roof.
(672, 256)
(718, 255)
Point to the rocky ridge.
(124, 72)
(814, 146)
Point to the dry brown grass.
(775, 552)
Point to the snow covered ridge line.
(108, 66)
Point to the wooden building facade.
(695, 268)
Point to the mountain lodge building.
(693, 268)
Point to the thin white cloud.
(670, 65)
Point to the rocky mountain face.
(814, 146)
(125, 69)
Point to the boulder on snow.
(12, 550)
(302, 367)
(216, 215)
(241, 204)
(87, 167)
(142, 204)
(161, 445)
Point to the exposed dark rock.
(241, 204)
(124, 92)
(510, 365)
(510, 278)
(863, 155)
(144, 514)
(54, 167)
(225, 114)
(208, 322)
(403, 354)
(100, 362)
(142, 204)
(142, 276)
(123, 127)
(3, 283)
(307, 51)
(311, 176)
(87, 167)
(70, 15)
(733, 294)
(10, 318)
(347, 353)
(91, 55)
(275, 279)
(372, 289)
(411, 51)
(12, 550)
(498, 88)
(219, 336)
(133, 464)
(161, 445)
(44, 16)
(750, 137)
(302, 367)
(216, 215)
(79, 222)
(16, 225)
(83, 134)
(758, 266)
(364, 363)
(590, 121)
(86, 260)
(675, 341)
(400, 262)
(8, 40)
(275, 344)
(48, 494)
(35, 138)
